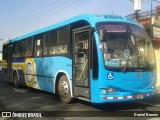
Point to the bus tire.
(64, 90)
(16, 80)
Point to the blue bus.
(96, 58)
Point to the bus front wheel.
(64, 90)
(15, 80)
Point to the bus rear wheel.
(15, 80)
(64, 90)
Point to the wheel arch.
(57, 78)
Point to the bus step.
(85, 99)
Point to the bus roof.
(92, 19)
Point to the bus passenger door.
(81, 62)
(9, 62)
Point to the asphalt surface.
(30, 100)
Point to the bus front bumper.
(123, 96)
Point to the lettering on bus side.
(112, 17)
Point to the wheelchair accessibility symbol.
(110, 76)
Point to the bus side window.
(45, 43)
(16, 49)
(63, 35)
(38, 46)
(23, 44)
(29, 47)
(63, 40)
(52, 41)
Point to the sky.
(18, 17)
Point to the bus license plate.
(140, 96)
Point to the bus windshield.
(126, 47)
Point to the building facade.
(151, 21)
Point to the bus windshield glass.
(126, 47)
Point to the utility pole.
(151, 9)
(137, 7)
(151, 27)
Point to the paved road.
(27, 99)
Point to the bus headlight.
(108, 90)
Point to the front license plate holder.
(140, 96)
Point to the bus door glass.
(81, 65)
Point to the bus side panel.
(4, 70)
(49, 84)
(39, 73)
(54, 65)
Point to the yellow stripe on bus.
(18, 65)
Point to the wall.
(0, 56)
(157, 55)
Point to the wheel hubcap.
(63, 88)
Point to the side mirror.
(102, 35)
